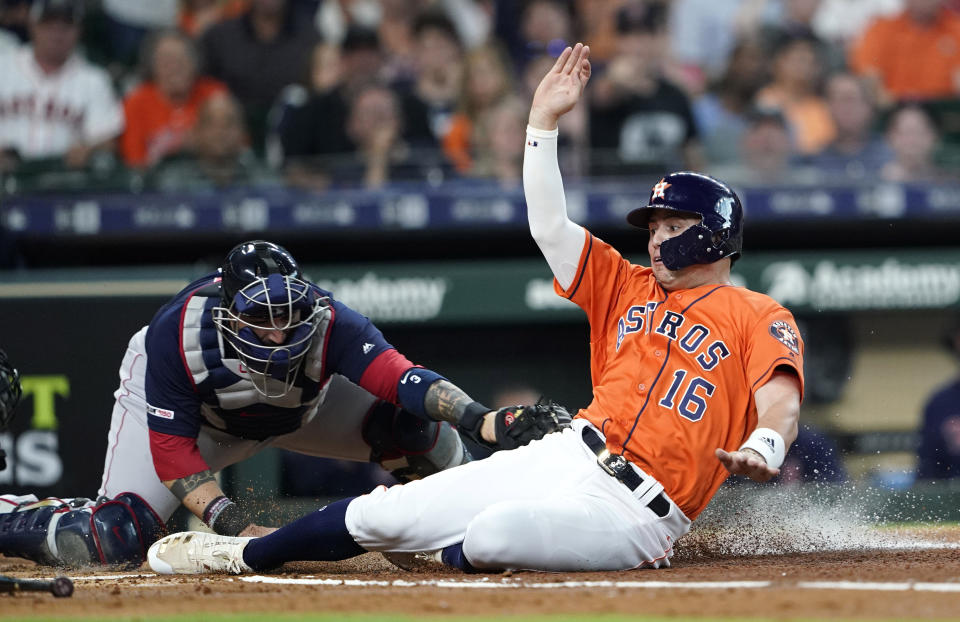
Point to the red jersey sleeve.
(383, 374)
(175, 456)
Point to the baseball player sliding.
(693, 379)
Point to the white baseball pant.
(545, 506)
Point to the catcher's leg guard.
(59, 533)
(408, 446)
(23, 530)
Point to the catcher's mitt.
(9, 390)
(518, 425)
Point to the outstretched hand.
(747, 463)
(560, 89)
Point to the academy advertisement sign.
(829, 285)
(396, 299)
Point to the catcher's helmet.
(720, 231)
(261, 288)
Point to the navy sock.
(453, 556)
(318, 536)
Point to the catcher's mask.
(719, 233)
(262, 292)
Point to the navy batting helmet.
(262, 289)
(720, 231)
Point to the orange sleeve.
(866, 54)
(133, 142)
(600, 274)
(775, 342)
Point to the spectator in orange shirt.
(794, 91)
(162, 110)
(915, 54)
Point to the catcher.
(250, 357)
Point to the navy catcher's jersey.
(194, 377)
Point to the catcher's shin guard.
(409, 446)
(23, 529)
(78, 533)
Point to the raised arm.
(559, 238)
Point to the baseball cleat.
(197, 552)
(415, 562)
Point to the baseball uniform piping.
(663, 366)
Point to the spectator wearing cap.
(161, 111)
(794, 90)
(912, 55)
(54, 105)
(857, 152)
(640, 122)
(258, 54)
(938, 456)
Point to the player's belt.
(618, 466)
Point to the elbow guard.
(412, 390)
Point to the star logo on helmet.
(659, 189)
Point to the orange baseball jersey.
(674, 373)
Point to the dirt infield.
(878, 584)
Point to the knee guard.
(80, 533)
(411, 447)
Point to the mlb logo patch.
(163, 413)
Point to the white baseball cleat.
(197, 552)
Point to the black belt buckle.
(613, 464)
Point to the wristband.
(472, 418)
(225, 517)
(769, 444)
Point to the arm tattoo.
(444, 401)
(185, 485)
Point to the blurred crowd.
(327, 93)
